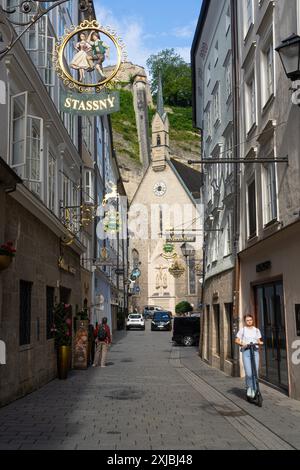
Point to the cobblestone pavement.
(152, 395)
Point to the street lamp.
(187, 250)
(289, 52)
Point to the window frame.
(250, 182)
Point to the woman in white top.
(247, 335)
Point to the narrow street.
(152, 395)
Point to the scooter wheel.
(259, 401)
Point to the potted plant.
(183, 307)
(62, 329)
(7, 253)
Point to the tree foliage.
(183, 307)
(176, 77)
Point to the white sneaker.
(249, 392)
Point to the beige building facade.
(166, 201)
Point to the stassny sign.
(90, 104)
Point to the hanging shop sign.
(64, 266)
(168, 248)
(112, 222)
(88, 59)
(81, 345)
(135, 274)
(169, 251)
(183, 239)
(176, 270)
(89, 105)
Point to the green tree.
(176, 77)
(183, 307)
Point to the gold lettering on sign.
(90, 105)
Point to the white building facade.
(212, 57)
(270, 192)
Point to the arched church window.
(158, 140)
(135, 258)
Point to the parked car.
(161, 321)
(149, 310)
(186, 330)
(136, 321)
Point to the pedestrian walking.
(103, 341)
(247, 335)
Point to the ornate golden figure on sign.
(81, 54)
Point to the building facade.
(59, 162)
(270, 192)
(214, 69)
(265, 194)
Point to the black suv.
(162, 321)
(186, 330)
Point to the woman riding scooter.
(250, 335)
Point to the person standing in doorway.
(103, 342)
(247, 335)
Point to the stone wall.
(218, 292)
(38, 250)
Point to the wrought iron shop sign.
(94, 104)
(83, 52)
(183, 239)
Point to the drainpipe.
(236, 153)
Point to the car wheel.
(188, 341)
(127, 328)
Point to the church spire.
(160, 98)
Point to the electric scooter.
(257, 399)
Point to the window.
(208, 74)
(40, 44)
(19, 113)
(228, 236)
(66, 191)
(208, 121)
(270, 193)
(88, 187)
(87, 133)
(252, 209)
(86, 258)
(26, 143)
(228, 20)
(228, 77)
(192, 275)
(215, 248)
(251, 102)
(268, 72)
(51, 182)
(217, 330)
(216, 53)
(229, 155)
(49, 310)
(25, 312)
(230, 337)
(248, 15)
(161, 228)
(216, 104)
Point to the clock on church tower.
(160, 189)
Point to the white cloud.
(186, 31)
(131, 30)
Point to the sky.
(147, 27)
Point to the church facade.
(165, 226)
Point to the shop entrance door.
(271, 319)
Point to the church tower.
(160, 133)
(142, 121)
